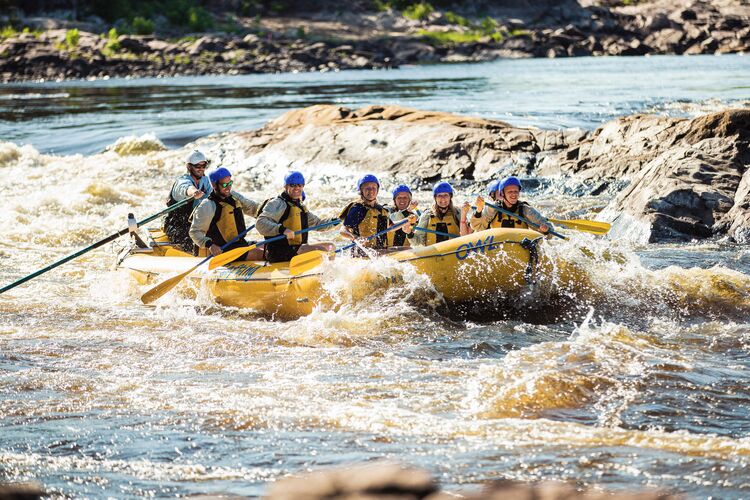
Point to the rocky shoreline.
(662, 179)
(379, 40)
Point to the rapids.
(624, 366)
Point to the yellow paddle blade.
(165, 286)
(589, 226)
(228, 256)
(306, 261)
(174, 252)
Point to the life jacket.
(228, 221)
(400, 238)
(504, 220)
(449, 223)
(294, 218)
(374, 221)
(177, 222)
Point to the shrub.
(454, 18)
(71, 38)
(112, 45)
(143, 26)
(7, 32)
(418, 11)
(199, 19)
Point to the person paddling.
(507, 193)
(219, 218)
(286, 214)
(193, 184)
(366, 217)
(442, 217)
(403, 207)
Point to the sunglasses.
(296, 185)
(226, 184)
(202, 164)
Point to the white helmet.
(196, 157)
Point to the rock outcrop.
(421, 145)
(685, 174)
(675, 179)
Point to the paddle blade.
(588, 226)
(228, 256)
(165, 286)
(306, 261)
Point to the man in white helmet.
(193, 184)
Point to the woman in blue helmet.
(365, 217)
(286, 214)
(403, 207)
(442, 217)
(506, 193)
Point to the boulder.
(369, 481)
(687, 177)
(424, 144)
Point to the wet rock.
(21, 491)
(207, 44)
(685, 175)
(363, 482)
(423, 144)
(132, 44)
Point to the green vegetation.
(418, 11)
(113, 45)
(456, 19)
(7, 32)
(143, 26)
(486, 28)
(72, 37)
(457, 37)
(10, 31)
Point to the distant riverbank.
(38, 48)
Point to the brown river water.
(636, 376)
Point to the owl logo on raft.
(481, 246)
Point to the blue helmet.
(492, 187)
(442, 187)
(294, 177)
(368, 178)
(402, 188)
(509, 181)
(219, 174)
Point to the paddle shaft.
(439, 233)
(392, 228)
(219, 261)
(282, 236)
(99, 243)
(523, 219)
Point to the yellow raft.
(462, 269)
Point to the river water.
(640, 378)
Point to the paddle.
(588, 226)
(439, 233)
(232, 255)
(170, 283)
(99, 243)
(523, 219)
(310, 260)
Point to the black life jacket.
(503, 220)
(294, 218)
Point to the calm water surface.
(638, 376)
